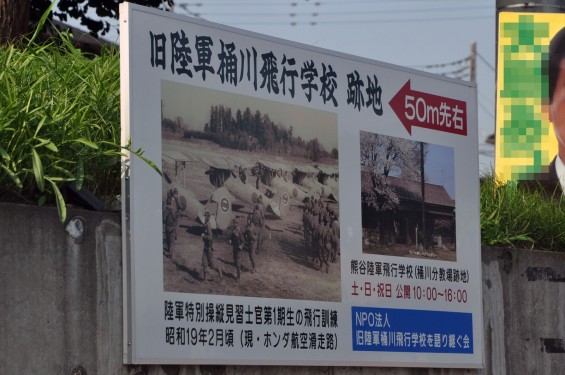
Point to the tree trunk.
(14, 19)
(423, 186)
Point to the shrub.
(59, 122)
(521, 215)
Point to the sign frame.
(160, 313)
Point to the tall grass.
(518, 216)
(59, 122)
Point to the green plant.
(520, 216)
(59, 122)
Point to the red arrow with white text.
(416, 108)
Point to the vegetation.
(521, 216)
(60, 119)
(59, 123)
(17, 18)
(381, 157)
(253, 132)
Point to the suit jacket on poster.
(548, 182)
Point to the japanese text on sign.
(408, 271)
(231, 66)
(397, 330)
(201, 313)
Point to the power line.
(458, 72)
(459, 69)
(489, 102)
(454, 73)
(349, 3)
(372, 21)
(319, 10)
(331, 13)
(442, 65)
(486, 62)
(484, 107)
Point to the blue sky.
(439, 167)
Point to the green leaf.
(149, 162)
(38, 170)
(42, 121)
(61, 206)
(80, 174)
(522, 237)
(87, 143)
(41, 23)
(47, 143)
(61, 179)
(139, 154)
(13, 176)
(4, 154)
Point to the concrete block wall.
(60, 297)
(61, 305)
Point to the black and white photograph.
(250, 196)
(407, 198)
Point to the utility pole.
(423, 187)
(473, 67)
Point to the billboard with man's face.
(528, 122)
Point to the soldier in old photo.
(258, 217)
(169, 223)
(208, 257)
(236, 242)
(250, 238)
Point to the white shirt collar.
(560, 171)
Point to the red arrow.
(415, 108)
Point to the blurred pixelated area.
(525, 142)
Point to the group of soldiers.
(250, 241)
(321, 232)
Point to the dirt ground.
(284, 269)
(399, 250)
(408, 251)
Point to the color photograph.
(404, 214)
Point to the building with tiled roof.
(400, 225)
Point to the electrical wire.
(331, 13)
(485, 62)
(348, 3)
(319, 11)
(442, 65)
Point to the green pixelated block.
(525, 86)
(525, 31)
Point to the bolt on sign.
(313, 208)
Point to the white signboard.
(291, 224)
